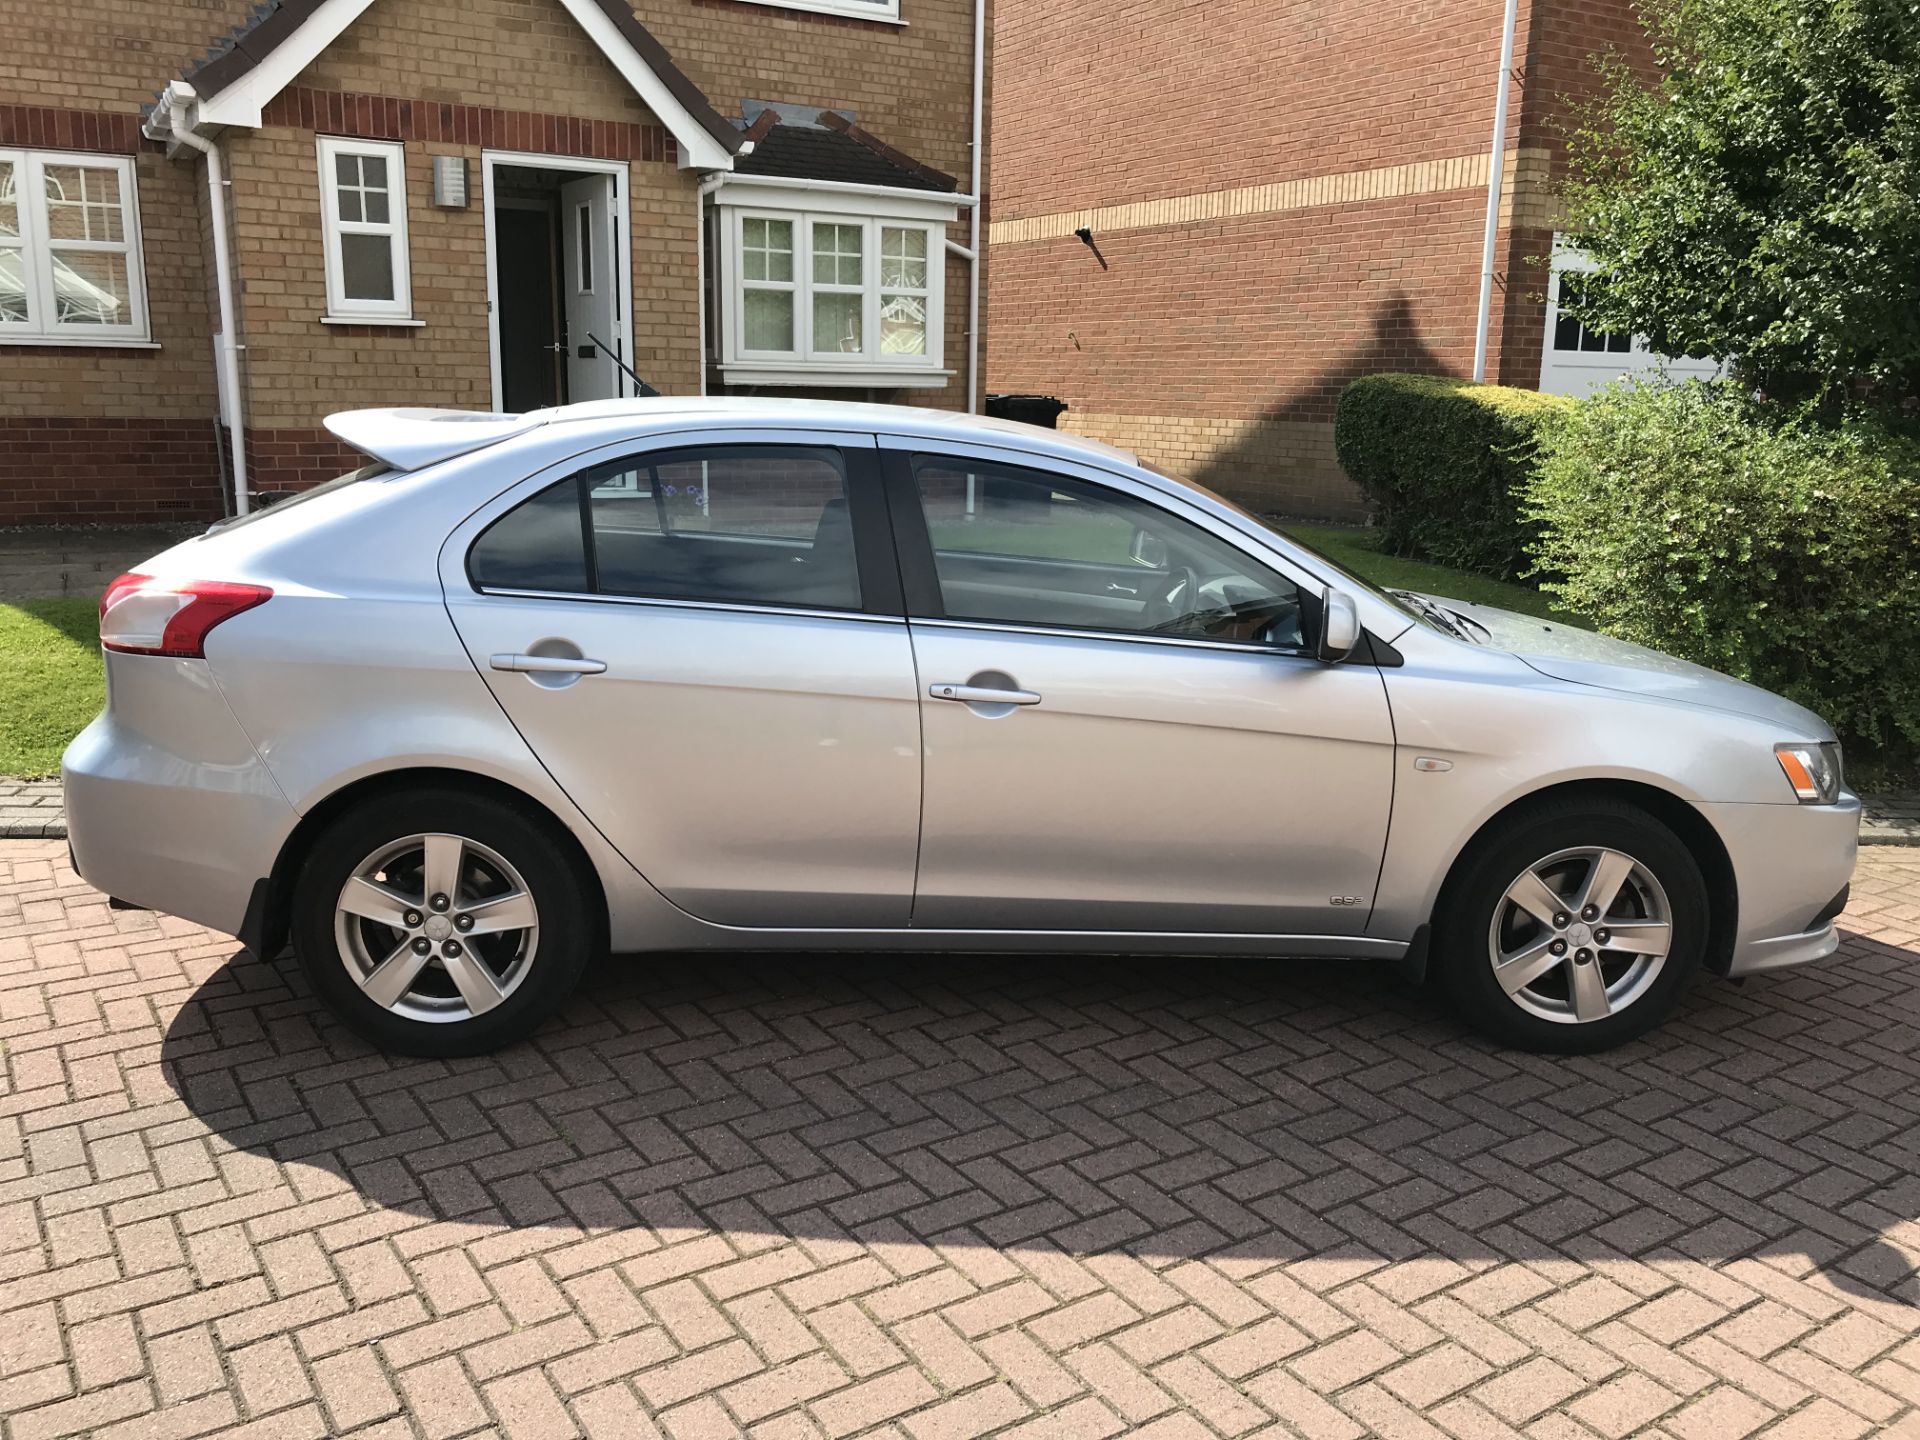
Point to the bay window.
(70, 264)
(823, 298)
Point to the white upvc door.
(592, 281)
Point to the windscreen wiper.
(1439, 615)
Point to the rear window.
(746, 524)
(300, 497)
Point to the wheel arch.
(264, 931)
(1692, 828)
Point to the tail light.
(140, 615)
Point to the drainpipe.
(227, 353)
(707, 187)
(973, 220)
(1496, 164)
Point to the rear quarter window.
(536, 546)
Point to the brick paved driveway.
(944, 1198)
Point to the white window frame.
(1580, 372)
(340, 308)
(37, 249)
(739, 284)
(885, 11)
(805, 365)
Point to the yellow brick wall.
(173, 382)
(909, 84)
(105, 54)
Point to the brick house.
(1283, 194)
(221, 220)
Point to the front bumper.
(176, 812)
(1790, 863)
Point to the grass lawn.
(1356, 549)
(51, 681)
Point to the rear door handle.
(548, 664)
(982, 695)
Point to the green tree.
(1759, 200)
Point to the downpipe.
(227, 351)
(1496, 165)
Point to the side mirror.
(1148, 550)
(1339, 627)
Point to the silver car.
(677, 675)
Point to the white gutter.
(1495, 165)
(227, 352)
(973, 219)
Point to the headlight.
(1812, 770)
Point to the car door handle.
(982, 695)
(548, 664)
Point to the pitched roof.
(834, 148)
(274, 22)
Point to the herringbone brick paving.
(933, 1198)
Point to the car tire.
(1490, 933)
(470, 964)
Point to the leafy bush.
(1688, 519)
(1443, 462)
(1755, 194)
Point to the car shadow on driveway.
(1310, 1112)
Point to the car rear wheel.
(1573, 928)
(441, 923)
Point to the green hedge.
(1444, 462)
(1780, 552)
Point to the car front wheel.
(1574, 928)
(441, 923)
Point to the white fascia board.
(698, 148)
(779, 193)
(243, 102)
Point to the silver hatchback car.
(674, 675)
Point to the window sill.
(828, 7)
(401, 322)
(69, 342)
(866, 377)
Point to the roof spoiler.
(412, 438)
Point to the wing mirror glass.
(1339, 627)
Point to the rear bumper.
(1790, 864)
(179, 815)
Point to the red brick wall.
(1220, 347)
(293, 459)
(1559, 74)
(96, 470)
(1104, 100)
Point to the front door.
(698, 651)
(530, 348)
(591, 284)
(1123, 728)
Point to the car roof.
(409, 438)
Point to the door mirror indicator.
(1339, 627)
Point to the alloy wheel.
(436, 927)
(1580, 935)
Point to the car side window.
(747, 524)
(1024, 547)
